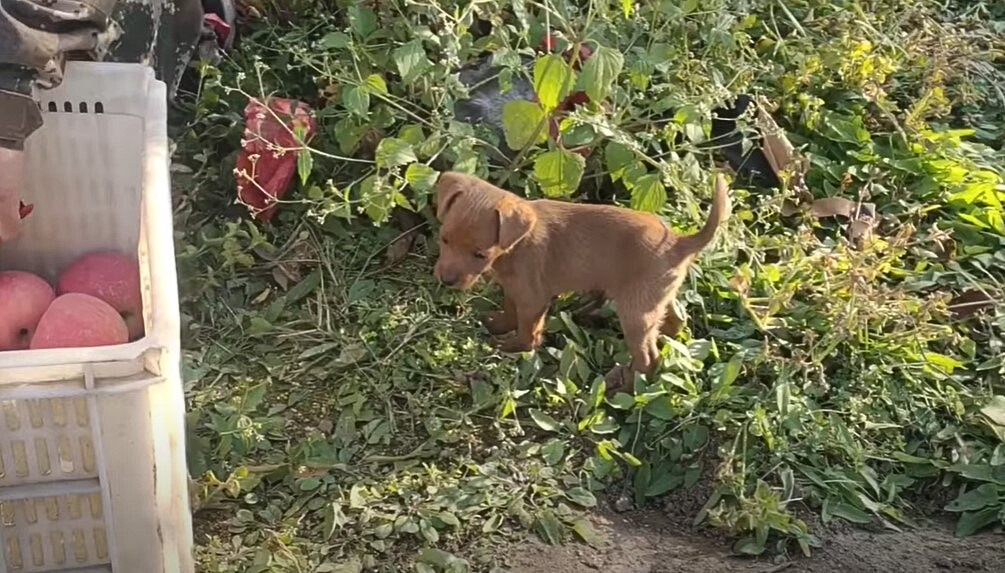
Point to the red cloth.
(268, 158)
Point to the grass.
(347, 413)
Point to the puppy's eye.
(442, 240)
(479, 255)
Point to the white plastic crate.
(92, 454)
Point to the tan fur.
(536, 250)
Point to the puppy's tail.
(719, 213)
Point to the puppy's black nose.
(449, 280)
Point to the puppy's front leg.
(502, 321)
(530, 313)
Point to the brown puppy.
(539, 249)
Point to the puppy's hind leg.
(640, 321)
(641, 335)
(672, 323)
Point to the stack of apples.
(97, 302)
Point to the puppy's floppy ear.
(516, 220)
(448, 190)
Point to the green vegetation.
(348, 413)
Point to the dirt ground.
(651, 543)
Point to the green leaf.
(360, 290)
(632, 460)
(354, 565)
(428, 532)
(909, 459)
(351, 354)
(552, 452)
(640, 483)
(413, 134)
(559, 172)
(618, 159)
(622, 401)
(601, 72)
(660, 408)
(356, 100)
(994, 410)
(384, 530)
(695, 437)
(748, 546)
(409, 525)
(411, 60)
(844, 129)
(649, 194)
(549, 528)
(392, 152)
(317, 350)
(421, 177)
(585, 531)
(523, 124)
(304, 287)
(438, 558)
(582, 497)
(553, 81)
(664, 482)
(980, 497)
(448, 518)
(305, 164)
(334, 519)
(376, 83)
(544, 421)
(942, 362)
(973, 521)
(356, 498)
(362, 20)
(627, 7)
(730, 372)
(978, 472)
(835, 508)
(492, 524)
(335, 40)
(691, 476)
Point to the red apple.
(23, 300)
(77, 321)
(114, 278)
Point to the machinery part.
(35, 40)
(19, 114)
(163, 34)
(38, 36)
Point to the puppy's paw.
(497, 323)
(514, 346)
(620, 378)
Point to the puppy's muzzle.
(446, 277)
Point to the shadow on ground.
(649, 542)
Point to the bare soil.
(654, 542)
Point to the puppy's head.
(480, 222)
